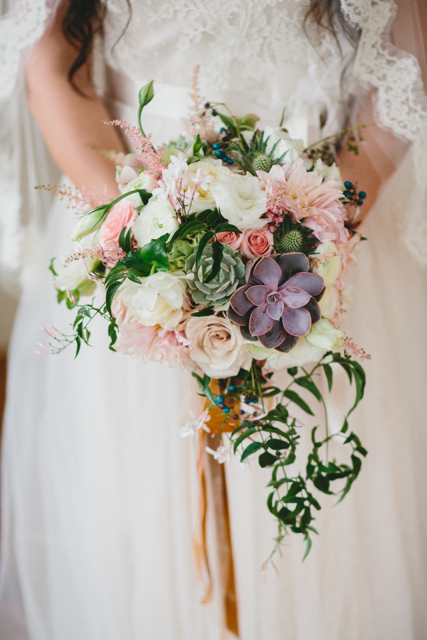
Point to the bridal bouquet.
(227, 254)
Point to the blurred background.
(7, 313)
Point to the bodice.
(257, 56)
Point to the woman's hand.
(71, 124)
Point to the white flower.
(258, 351)
(88, 223)
(221, 454)
(191, 426)
(125, 174)
(329, 302)
(240, 199)
(155, 219)
(331, 269)
(285, 144)
(157, 300)
(217, 346)
(324, 336)
(143, 181)
(74, 275)
(210, 169)
(303, 353)
(327, 171)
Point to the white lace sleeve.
(22, 151)
(400, 100)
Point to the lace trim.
(401, 102)
(19, 29)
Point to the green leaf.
(253, 447)
(329, 375)
(345, 426)
(277, 445)
(243, 437)
(204, 312)
(125, 240)
(155, 253)
(218, 250)
(266, 459)
(51, 267)
(110, 293)
(78, 346)
(225, 226)
(293, 371)
(294, 397)
(322, 483)
(204, 386)
(202, 244)
(307, 383)
(307, 547)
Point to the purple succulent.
(277, 305)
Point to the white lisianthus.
(143, 181)
(303, 353)
(331, 269)
(326, 171)
(205, 199)
(88, 223)
(285, 144)
(259, 352)
(155, 219)
(323, 335)
(329, 302)
(125, 174)
(240, 199)
(157, 300)
(217, 346)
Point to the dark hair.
(84, 19)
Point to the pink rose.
(120, 216)
(231, 238)
(256, 243)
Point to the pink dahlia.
(152, 344)
(308, 199)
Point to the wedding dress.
(99, 491)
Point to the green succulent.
(182, 249)
(218, 291)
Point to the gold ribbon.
(213, 488)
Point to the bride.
(99, 492)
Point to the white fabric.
(98, 489)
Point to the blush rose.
(231, 238)
(256, 243)
(122, 215)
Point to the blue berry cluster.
(221, 154)
(352, 195)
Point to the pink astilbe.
(152, 344)
(92, 252)
(200, 121)
(307, 198)
(80, 199)
(351, 347)
(148, 156)
(112, 254)
(322, 259)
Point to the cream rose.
(217, 346)
(240, 200)
(303, 353)
(285, 144)
(329, 302)
(157, 300)
(323, 335)
(155, 219)
(331, 269)
(205, 199)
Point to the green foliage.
(274, 436)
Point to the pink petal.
(297, 322)
(240, 302)
(309, 282)
(275, 310)
(257, 294)
(294, 297)
(268, 272)
(260, 322)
